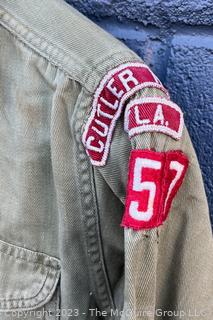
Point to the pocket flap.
(28, 279)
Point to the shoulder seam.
(39, 44)
(56, 55)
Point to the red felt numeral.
(154, 179)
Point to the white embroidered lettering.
(151, 114)
(104, 126)
(114, 90)
(110, 105)
(102, 113)
(159, 116)
(154, 179)
(137, 117)
(126, 77)
(93, 148)
(178, 167)
(138, 185)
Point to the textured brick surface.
(175, 38)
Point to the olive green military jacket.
(103, 212)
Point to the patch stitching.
(125, 222)
(164, 198)
(185, 162)
(105, 147)
(153, 127)
(145, 85)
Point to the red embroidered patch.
(154, 114)
(154, 179)
(113, 91)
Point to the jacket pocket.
(28, 279)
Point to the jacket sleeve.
(169, 262)
(168, 268)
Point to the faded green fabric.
(61, 244)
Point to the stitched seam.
(23, 299)
(97, 224)
(90, 262)
(50, 57)
(50, 290)
(31, 262)
(96, 286)
(36, 35)
(38, 49)
(135, 227)
(132, 59)
(83, 216)
(27, 252)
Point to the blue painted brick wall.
(175, 38)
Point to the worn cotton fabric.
(63, 252)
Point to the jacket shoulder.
(64, 36)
